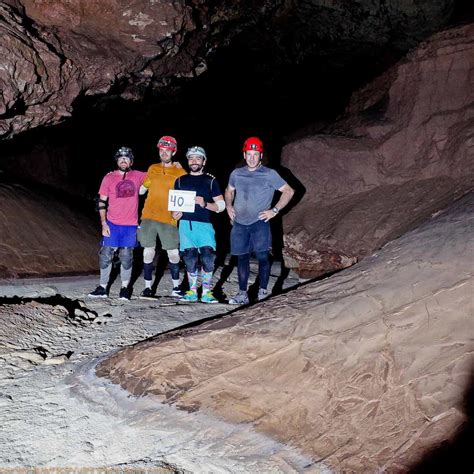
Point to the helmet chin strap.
(126, 170)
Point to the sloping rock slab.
(366, 369)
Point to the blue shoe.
(190, 295)
(208, 297)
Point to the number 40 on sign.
(182, 201)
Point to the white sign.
(182, 201)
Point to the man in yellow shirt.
(157, 221)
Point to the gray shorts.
(168, 234)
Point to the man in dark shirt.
(196, 233)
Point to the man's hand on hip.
(266, 215)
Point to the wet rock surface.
(366, 370)
(403, 152)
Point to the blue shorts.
(256, 237)
(194, 234)
(121, 236)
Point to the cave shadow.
(227, 269)
(115, 271)
(455, 454)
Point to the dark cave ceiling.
(119, 71)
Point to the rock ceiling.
(54, 52)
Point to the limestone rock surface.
(365, 371)
(40, 235)
(404, 150)
(57, 51)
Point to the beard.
(125, 167)
(196, 168)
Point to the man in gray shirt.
(248, 198)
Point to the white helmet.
(196, 150)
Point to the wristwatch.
(275, 210)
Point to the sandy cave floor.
(57, 413)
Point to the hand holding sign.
(182, 201)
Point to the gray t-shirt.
(253, 192)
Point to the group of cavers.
(187, 234)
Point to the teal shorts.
(149, 230)
(194, 234)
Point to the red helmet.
(253, 143)
(168, 143)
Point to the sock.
(175, 283)
(148, 271)
(206, 281)
(147, 283)
(192, 279)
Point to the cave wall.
(402, 152)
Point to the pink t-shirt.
(122, 192)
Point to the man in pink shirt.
(118, 210)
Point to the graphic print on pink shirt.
(125, 189)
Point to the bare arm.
(229, 195)
(286, 194)
(103, 217)
(210, 206)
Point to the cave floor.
(57, 414)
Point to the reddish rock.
(366, 371)
(42, 236)
(55, 51)
(403, 152)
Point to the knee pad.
(148, 254)
(173, 255)
(190, 257)
(126, 257)
(106, 255)
(208, 257)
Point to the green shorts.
(168, 234)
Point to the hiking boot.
(99, 292)
(147, 293)
(177, 293)
(208, 297)
(240, 298)
(124, 293)
(262, 294)
(190, 295)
